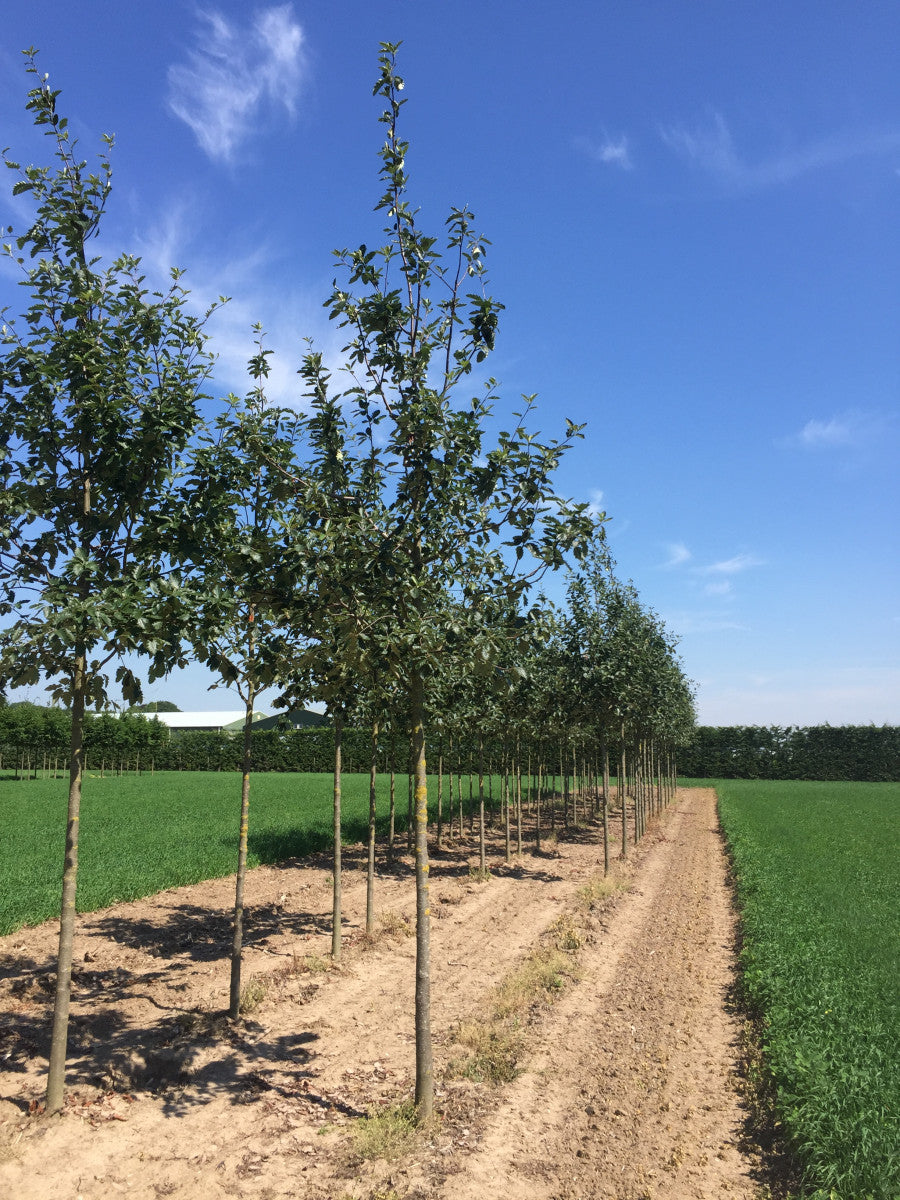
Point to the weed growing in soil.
(600, 889)
(394, 925)
(496, 1041)
(386, 1132)
(252, 994)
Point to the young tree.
(236, 506)
(99, 381)
(458, 518)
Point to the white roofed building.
(221, 721)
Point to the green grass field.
(818, 885)
(141, 834)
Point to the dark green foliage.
(816, 871)
(866, 753)
(100, 384)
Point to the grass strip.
(816, 873)
(496, 1039)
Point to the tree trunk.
(370, 868)
(518, 797)
(424, 1097)
(605, 802)
(237, 944)
(60, 1032)
(393, 807)
(336, 868)
(537, 809)
(440, 796)
(481, 854)
(410, 803)
(459, 798)
(622, 798)
(507, 848)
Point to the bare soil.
(627, 1088)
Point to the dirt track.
(626, 1090)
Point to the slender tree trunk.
(505, 802)
(574, 787)
(518, 797)
(440, 796)
(336, 868)
(471, 797)
(481, 853)
(370, 866)
(537, 808)
(393, 808)
(237, 942)
(424, 1096)
(410, 817)
(622, 797)
(605, 802)
(60, 1032)
(459, 797)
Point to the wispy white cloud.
(613, 152)
(710, 148)
(595, 502)
(719, 587)
(254, 275)
(853, 429)
(235, 72)
(678, 553)
(732, 566)
(701, 622)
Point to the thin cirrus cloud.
(732, 566)
(719, 587)
(236, 72)
(595, 503)
(610, 152)
(711, 148)
(678, 553)
(849, 430)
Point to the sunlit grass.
(142, 834)
(816, 870)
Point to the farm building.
(221, 721)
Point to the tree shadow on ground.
(185, 1059)
(195, 934)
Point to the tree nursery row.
(377, 546)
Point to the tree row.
(376, 546)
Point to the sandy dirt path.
(631, 1093)
(626, 1089)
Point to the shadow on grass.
(274, 846)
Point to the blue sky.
(693, 212)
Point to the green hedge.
(861, 753)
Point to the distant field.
(140, 834)
(818, 875)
